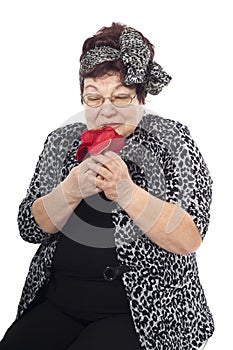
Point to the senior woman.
(119, 206)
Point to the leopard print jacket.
(166, 299)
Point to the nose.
(107, 108)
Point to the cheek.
(91, 115)
(132, 114)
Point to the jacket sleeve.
(192, 183)
(45, 178)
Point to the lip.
(110, 124)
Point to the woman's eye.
(120, 97)
(94, 98)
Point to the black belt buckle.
(111, 273)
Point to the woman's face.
(123, 119)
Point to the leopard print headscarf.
(135, 54)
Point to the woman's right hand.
(77, 185)
(52, 211)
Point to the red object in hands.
(97, 140)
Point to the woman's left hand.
(112, 177)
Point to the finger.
(114, 156)
(109, 163)
(100, 177)
(102, 158)
(84, 166)
(97, 181)
(99, 169)
(87, 175)
(91, 177)
(101, 183)
(111, 155)
(94, 166)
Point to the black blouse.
(77, 284)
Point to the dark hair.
(109, 36)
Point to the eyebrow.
(91, 86)
(116, 87)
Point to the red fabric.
(97, 140)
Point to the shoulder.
(177, 140)
(65, 135)
(166, 130)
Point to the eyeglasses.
(95, 100)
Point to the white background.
(40, 47)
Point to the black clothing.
(45, 327)
(77, 285)
(81, 307)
